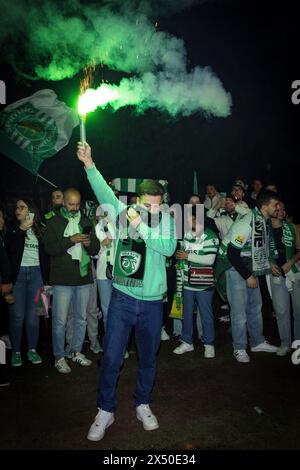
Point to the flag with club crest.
(35, 128)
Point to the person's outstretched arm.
(102, 190)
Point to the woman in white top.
(29, 266)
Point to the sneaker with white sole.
(241, 355)
(34, 357)
(283, 350)
(183, 348)
(62, 366)
(149, 420)
(102, 421)
(80, 358)
(209, 351)
(164, 335)
(264, 347)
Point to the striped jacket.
(202, 254)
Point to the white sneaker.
(102, 421)
(241, 355)
(164, 335)
(81, 359)
(283, 350)
(209, 351)
(62, 366)
(264, 347)
(183, 348)
(95, 347)
(144, 414)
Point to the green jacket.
(64, 271)
(157, 249)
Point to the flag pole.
(47, 181)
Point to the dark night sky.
(253, 50)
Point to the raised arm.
(102, 190)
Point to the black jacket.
(14, 245)
(5, 269)
(63, 269)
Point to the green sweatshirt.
(157, 247)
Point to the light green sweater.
(159, 244)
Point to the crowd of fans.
(68, 255)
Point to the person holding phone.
(70, 240)
(29, 265)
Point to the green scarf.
(81, 254)
(289, 240)
(130, 255)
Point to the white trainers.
(62, 366)
(81, 359)
(102, 421)
(164, 335)
(241, 355)
(283, 350)
(183, 348)
(209, 351)
(264, 347)
(144, 414)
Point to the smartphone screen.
(30, 216)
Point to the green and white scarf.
(289, 241)
(130, 256)
(77, 251)
(260, 244)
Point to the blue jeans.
(105, 291)
(92, 317)
(177, 326)
(62, 298)
(124, 313)
(204, 301)
(281, 303)
(245, 311)
(28, 282)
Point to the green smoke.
(61, 38)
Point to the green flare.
(92, 99)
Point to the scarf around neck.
(289, 241)
(129, 263)
(260, 244)
(77, 252)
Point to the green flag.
(35, 128)
(195, 190)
